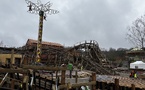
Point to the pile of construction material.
(123, 81)
(83, 74)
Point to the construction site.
(43, 65)
(19, 67)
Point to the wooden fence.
(63, 85)
(43, 82)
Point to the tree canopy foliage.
(116, 55)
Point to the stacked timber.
(123, 81)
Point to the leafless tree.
(136, 32)
(1, 44)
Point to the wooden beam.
(25, 83)
(13, 71)
(132, 87)
(63, 77)
(12, 58)
(76, 76)
(12, 84)
(35, 67)
(3, 80)
(116, 84)
(94, 79)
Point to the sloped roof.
(32, 41)
(137, 65)
(136, 48)
(138, 62)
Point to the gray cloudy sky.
(104, 21)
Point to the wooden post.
(120, 88)
(39, 81)
(111, 88)
(56, 74)
(76, 78)
(18, 77)
(62, 77)
(11, 62)
(52, 80)
(69, 86)
(116, 84)
(12, 58)
(76, 73)
(45, 83)
(132, 87)
(109, 85)
(124, 87)
(25, 83)
(98, 85)
(34, 75)
(12, 84)
(103, 85)
(94, 79)
(128, 88)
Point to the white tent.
(137, 65)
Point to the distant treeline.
(116, 56)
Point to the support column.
(94, 79)
(132, 87)
(63, 77)
(39, 43)
(116, 84)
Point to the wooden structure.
(37, 81)
(85, 54)
(136, 54)
(10, 80)
(49, 51)
(10, 56)
(88, 55)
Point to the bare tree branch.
(136, 32)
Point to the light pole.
(42, 10)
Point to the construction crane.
(42, 10)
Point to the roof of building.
(138, 62)
(135, 52)
(31, 41)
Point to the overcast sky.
(104, 21)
